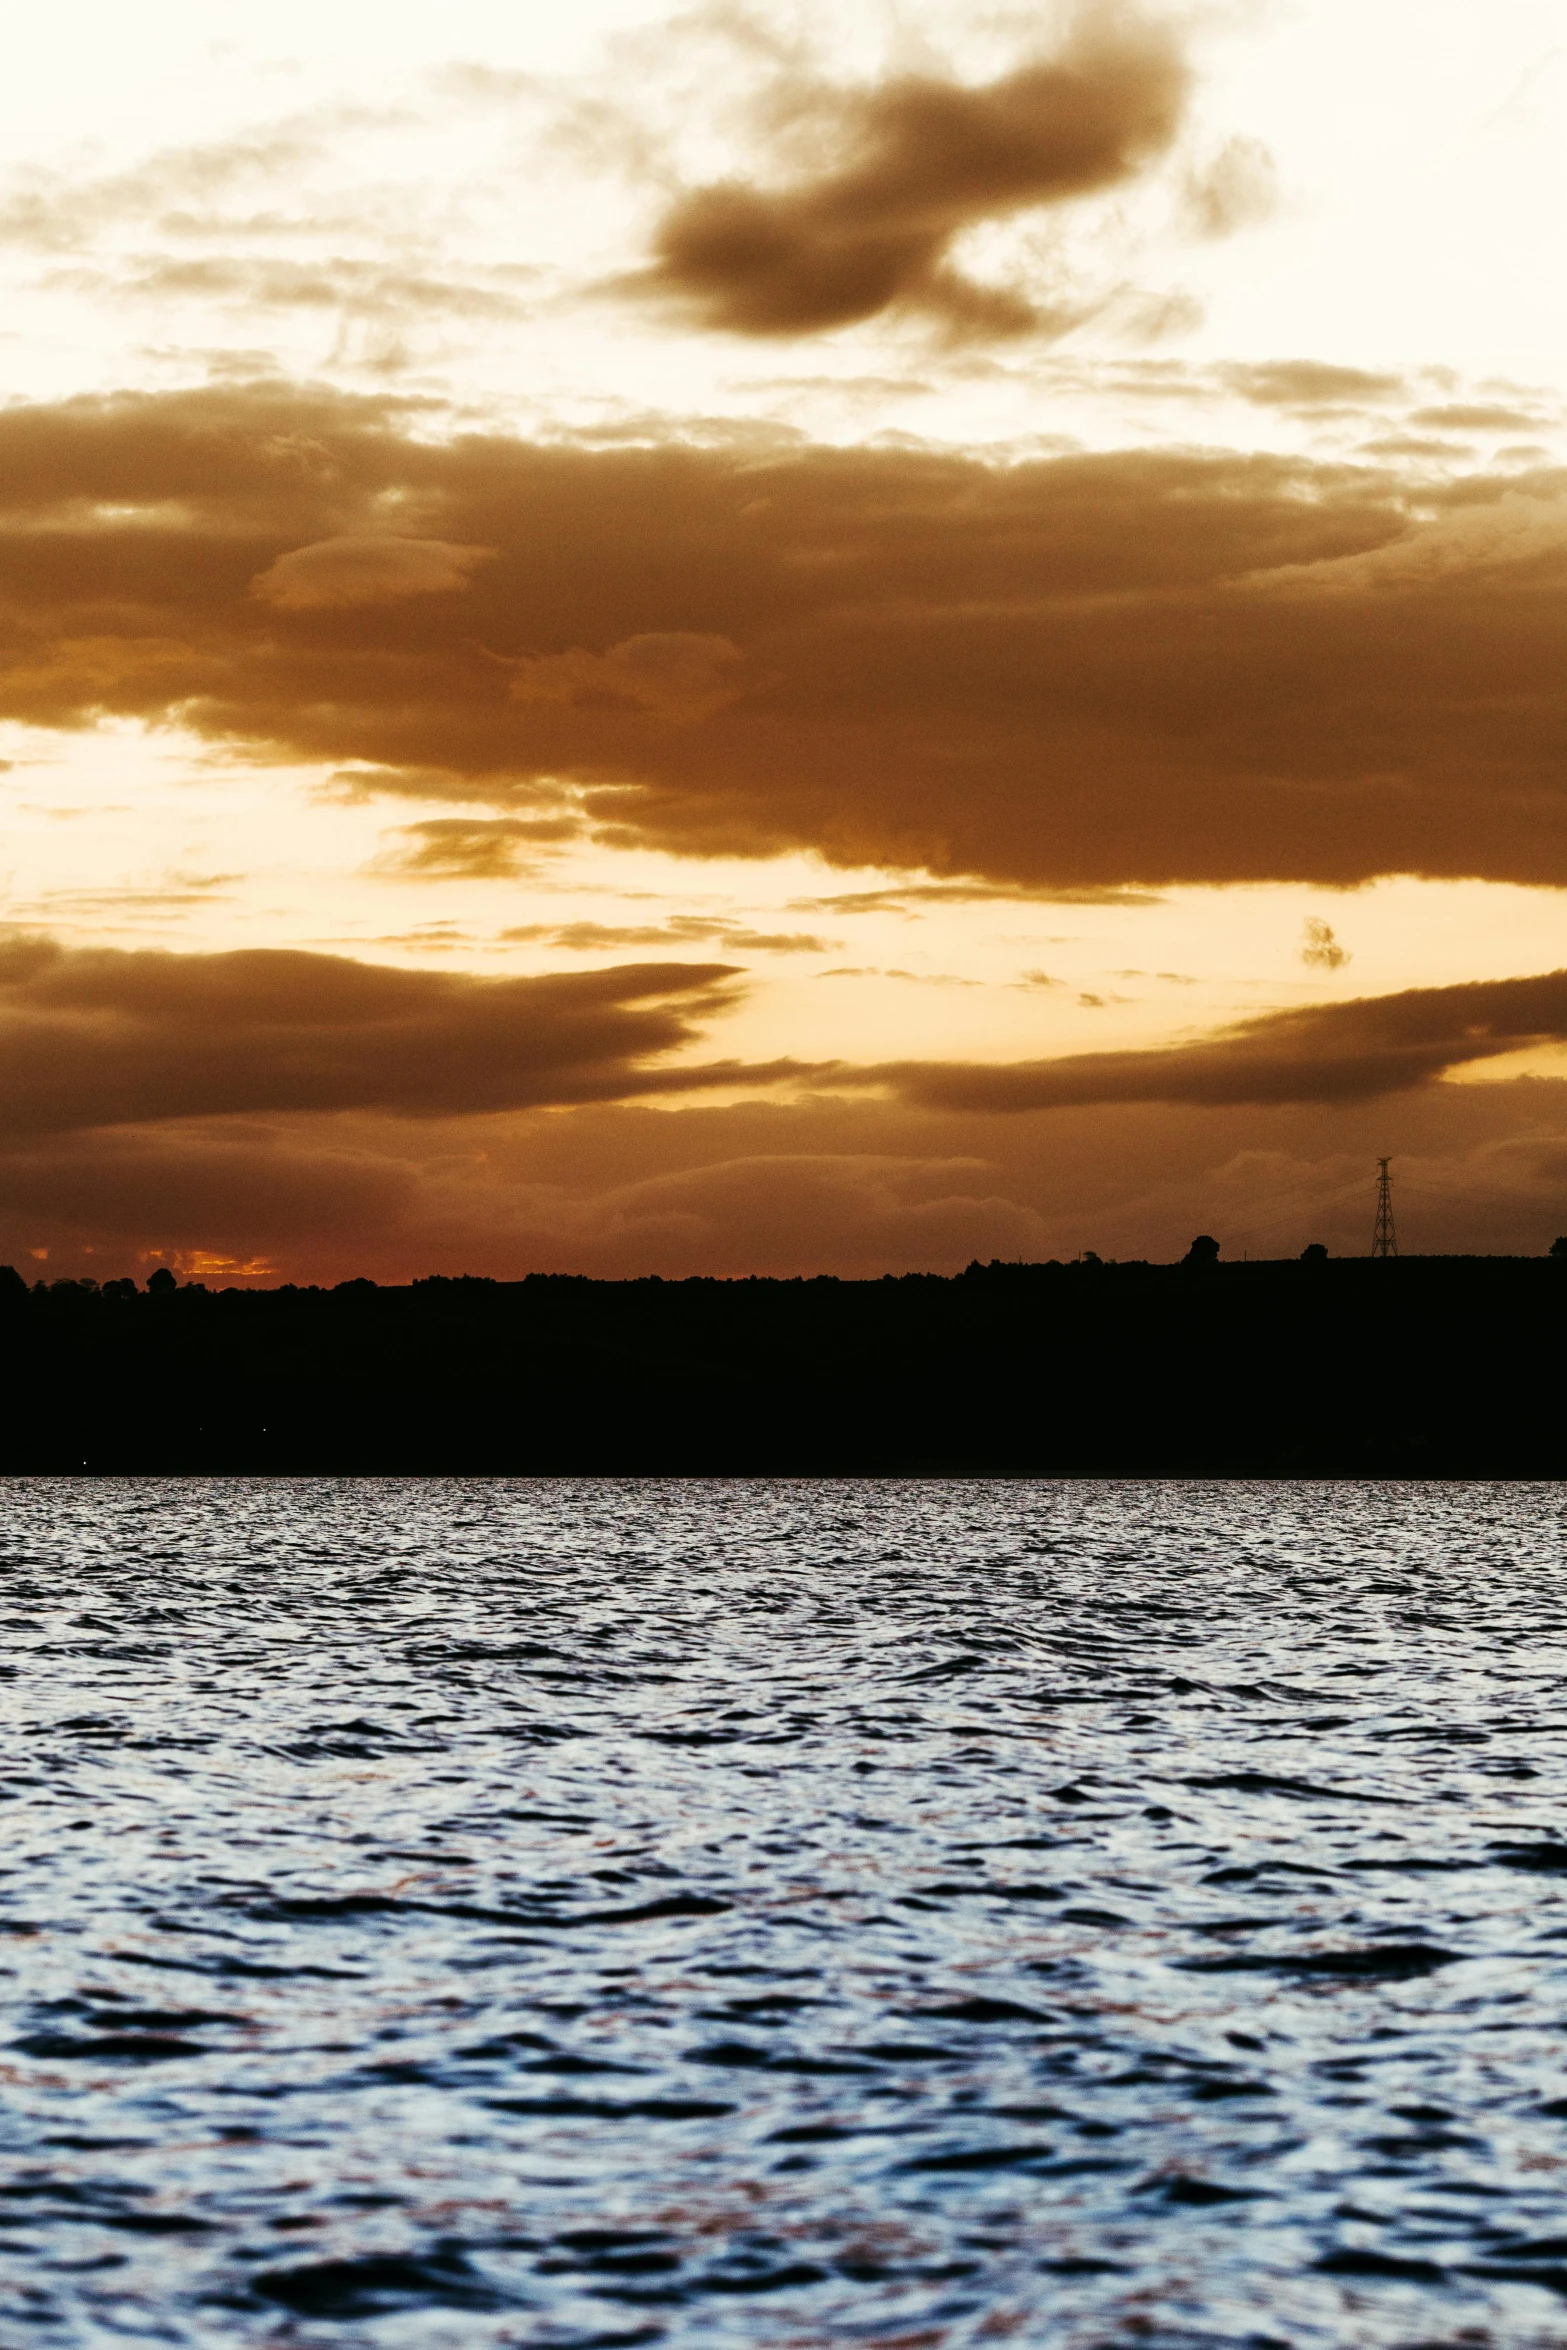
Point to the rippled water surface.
(783, 1914)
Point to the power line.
(1384, 1238)
(1315, 1204)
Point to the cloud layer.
(105, 1037)
(1359, 1051)
(848, 1187)
(101, 1037)
(1079, 672)
(321, 1117)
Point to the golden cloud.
(679, 930)
(1069, 674)
(110, 1037)
(473, 848)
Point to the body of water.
(783, 1914)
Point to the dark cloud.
(673, 674)
(1359, 1051)
(101, 1037)
(240, 1189)
(847, 1185)
(916, 161)
(316, 1117)
(104, 1037)
(297, 1206)
(1072, 674)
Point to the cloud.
(680, 930)
(1408, 444)
(1321, 951)
(865, 1210)
(1235, 191)
(348, 571)
(884, 971)
(1308, 385)
(103, 1037)
(268, 282)
(907, 166)
(473, 848)
(1071, 675)
(335, 1117)
(106, 1037)
(293, 217)
(1479, 416)
(49, 212)
(1358, 1051)
(669, 673)
(361, 1202)
(240, 1188)
(898, 897)
(850, 1185)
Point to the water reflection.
(914, 1914)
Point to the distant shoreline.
(1415, 1367)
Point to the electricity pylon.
(1384, 1240)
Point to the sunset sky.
(780, 640)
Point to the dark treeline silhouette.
(1435, 1366)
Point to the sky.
(779, 640)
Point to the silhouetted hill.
(1441, 1366)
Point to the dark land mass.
(1424, 1367)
